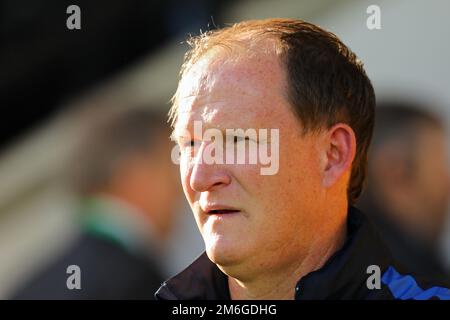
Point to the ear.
(340, 149)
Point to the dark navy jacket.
(344, 276)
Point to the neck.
(281, 285)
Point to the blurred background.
(65, 95)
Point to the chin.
(223, 252)
(234, 263)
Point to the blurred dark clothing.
(108, 271)
(421, 258)
(114, 262)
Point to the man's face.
(271, 219)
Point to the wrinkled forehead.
(232, 88)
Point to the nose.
(207, 177)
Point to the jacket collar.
(343, 276)
(202, 280)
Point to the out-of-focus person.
(127, 187)
(408, 191)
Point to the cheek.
(300, 166)
(300, 181)
(248, 176)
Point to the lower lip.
(224, 215)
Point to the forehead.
(232, 91)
